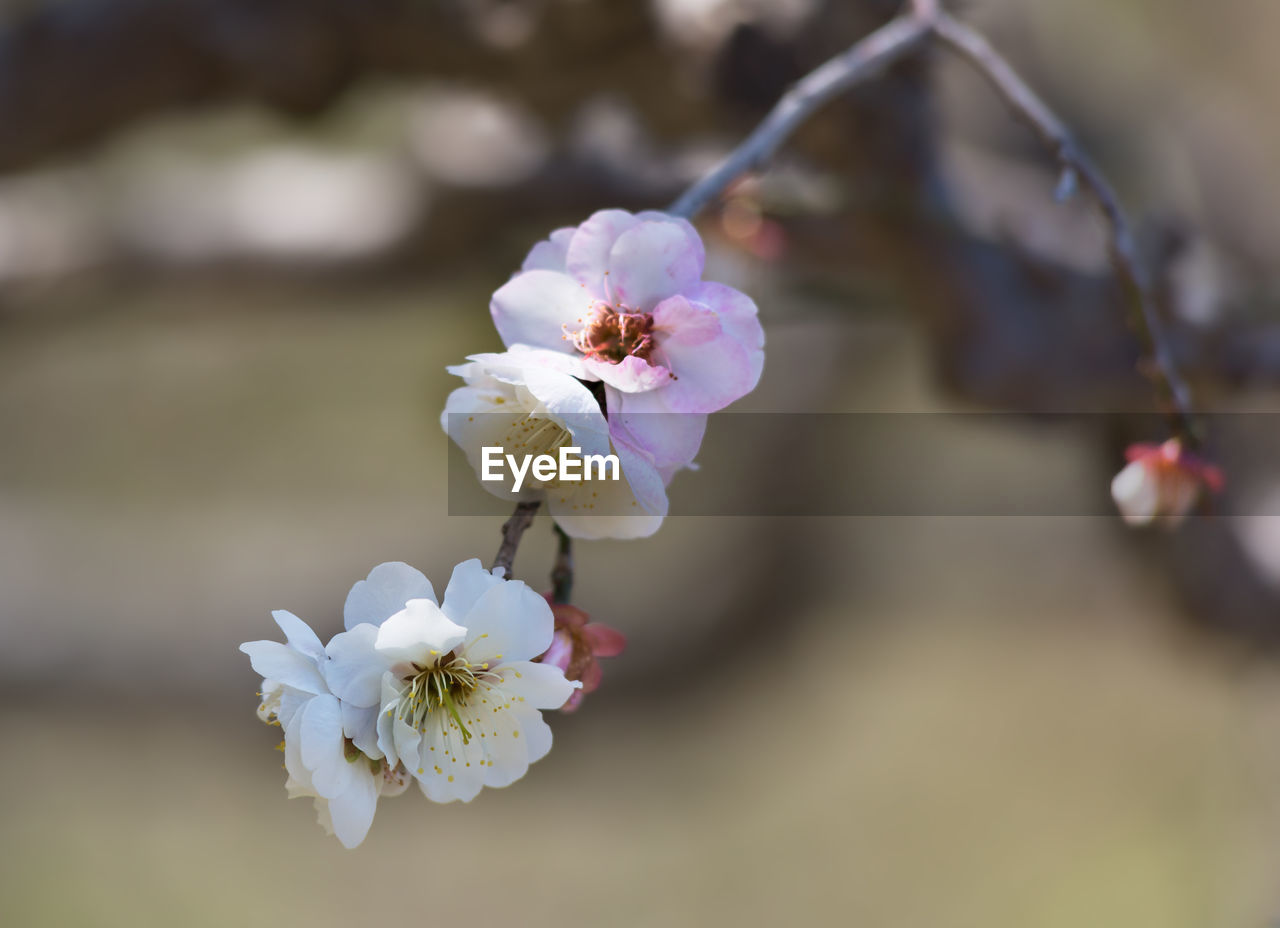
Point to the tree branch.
(1050, 130)
(863, 60)
(562, 572)
(512, 531)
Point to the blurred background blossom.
(240, 240)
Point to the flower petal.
(322, 746)
(551, 253)
(509, 622)
(361, 726)
(631, 374)
(388, 587)
(711, 367)
(453, 771)
(279, 662)
(418, 631)
(604, 641)
(351, 811)
(299, 634)
(468, 583)
(355, 668)
(644, 421)
(536, 307)
(605, 514)
(738, 316)
(654, 260)
(587, 259)
(538, 685)
(535, 732)
(506, 749)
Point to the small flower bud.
(1162, 483)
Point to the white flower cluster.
(442, 694)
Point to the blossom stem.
(512, 531)
(562, 572)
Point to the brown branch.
(562, 572)
(1051, 132)
(863, 60)
(512, 531)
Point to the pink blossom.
(624, 295)
(1162, 483)
(577, 645)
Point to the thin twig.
(1075, 165)
(562, 571)
(512, 530)
(863, 60)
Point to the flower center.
(443, 686)
(612, 334)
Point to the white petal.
(361, 726)
(506, 749)
(299, 775)
(355, 668)
(453, 771)
(384, 593)
(535, 308)
(299, 634)
(539, 686)
(468, 583)
(535, 731)
(603, 508)
(322, 746)
(408, 745)
(1136, 493)
(351, 812)
(279, 662)
(509, 622)
(291, 702)
(417, 632)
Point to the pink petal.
(708, 375)
(587, 258)
(591, 678)
(604, 641)
(738, 316)
(630, 375)
(535, 307)
(692, 323)
(654, 260)
(644, 420)
(561, 651)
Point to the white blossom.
(327, 751)
(533, 401)
(456, 693)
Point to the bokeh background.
(239, 241)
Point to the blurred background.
(239, 241)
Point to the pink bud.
(577, 645)
(1162, 483)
